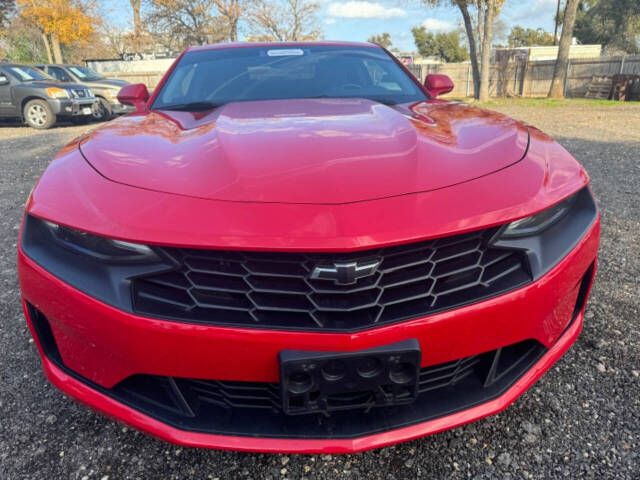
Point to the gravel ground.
(581, 420)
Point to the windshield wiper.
(191, 106)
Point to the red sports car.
(295, 247)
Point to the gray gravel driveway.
(581, 420)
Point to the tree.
(445, 45)
(425, 41)
(183, 23)
(60, 21)
(562, 62)
(21, 42)
(528, 37)
(479, 35)
(615, 24)
(489, 16)
(138, 40)
(384, 40)
(284, 20)
(231, 11)
(6, 9)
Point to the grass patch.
(546, 102)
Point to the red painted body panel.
(303, 175)
(305, 151)
(143, 422)
(74, 194)
(107, 345)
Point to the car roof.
(325, 43)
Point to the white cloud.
(523, 12)
(436, 25)
(329, 21)
(364, 10)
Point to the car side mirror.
(135, 94)
(3, 80)
(437, 84)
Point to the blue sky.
(358, 20)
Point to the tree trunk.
(562, 62)
(473, 53)
(235, 16)
(555, 28)
(57, 52)
(479, 27)
(47, 47)
(137, 25)
(486, 50)
(234, 32)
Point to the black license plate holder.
(322, 382)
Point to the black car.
(30, 94)
(105, 89)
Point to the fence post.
(622, 64)
(566, 78)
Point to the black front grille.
(275, 290)
(255, 409)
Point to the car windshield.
(27, 74)
(85, 74)
(207, 78)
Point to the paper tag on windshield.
(285, 52)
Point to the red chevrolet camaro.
(295, 247)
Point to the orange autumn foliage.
(58, 17)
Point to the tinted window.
(264, 73)
(85, 74)
(25, 74)
(59, 74)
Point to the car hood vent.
(316, 151)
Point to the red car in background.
(295, 247)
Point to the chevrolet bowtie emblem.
(346, 273)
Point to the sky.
(358, 20)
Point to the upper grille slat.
(275, 289)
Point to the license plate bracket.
(322, 382)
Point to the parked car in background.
(41, 100)
(105, 89)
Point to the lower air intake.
(255, 409)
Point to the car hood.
(51, 83)
(107, 83)
(319, 151)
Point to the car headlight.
(89, 92)
(548, 236)
(55, 92)
(537, 223)
(99, 266)
(102, 248)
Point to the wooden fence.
(531, 79)
(525, 79)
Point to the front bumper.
(102, 346)
(72, 107)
